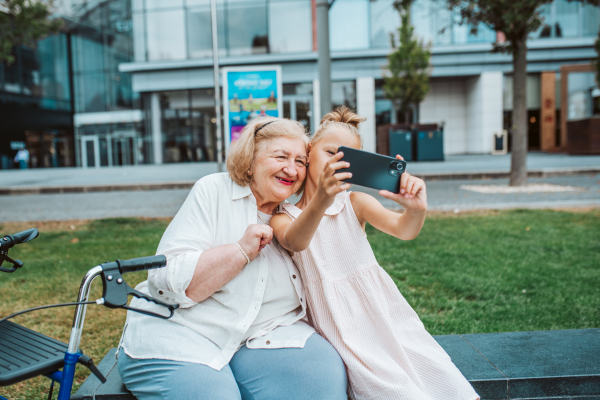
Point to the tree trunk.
(407, 116)
(518, 166)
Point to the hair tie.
(262, 126)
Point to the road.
(442, 195)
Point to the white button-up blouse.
(216, 212)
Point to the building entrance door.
(298, 107)
(90, 152)
(124, 148)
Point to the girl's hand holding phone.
(331, 183)
(412, 196)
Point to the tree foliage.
(406, 76)
(23, 23)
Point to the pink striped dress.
(356, 306)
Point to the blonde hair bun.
(344, 115)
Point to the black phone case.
(373, 170)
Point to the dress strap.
(289, 209)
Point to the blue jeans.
(313, 372)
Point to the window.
(165, 35)
(139, 36)
(290, 25)
(591, 20)
(199, 29)
(349, 25)
(247, 27)
(384, 20)
(567, 19)
(343, 93)
(563, 19)
(188, 128)
(434, 23)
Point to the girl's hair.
(243, 151)
(341, 117)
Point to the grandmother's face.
(279, 169)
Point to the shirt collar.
(239, 192)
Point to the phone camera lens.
(399, 167)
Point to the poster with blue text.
(250, 92)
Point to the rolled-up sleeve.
(186, 237)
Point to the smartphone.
(373, 170)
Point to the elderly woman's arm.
(219, 265)
(198, 263)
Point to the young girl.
(352, 301)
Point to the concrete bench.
(549, 365)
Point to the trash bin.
(500, 143)
(430, 146)
(401, 142)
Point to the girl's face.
(327, 147)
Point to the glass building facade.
(563, 19)
(36, 105)
(101, 40)
(90, 113)
(181, 29)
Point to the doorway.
(90, 152)
(299, 108)
(117, 149)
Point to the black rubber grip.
(9, 241)
(141, 264)
(25, 236)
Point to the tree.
(516, 19)
(406, 76)
(23, 23)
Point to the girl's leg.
(314, 372)
(150, 379)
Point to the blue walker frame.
(115, 295)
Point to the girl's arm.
(412, 197)
(296, 235)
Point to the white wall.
(484, 111)
(471, 109)
(446, 102)
(365, 107)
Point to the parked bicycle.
(25, 353)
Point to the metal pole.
(324, 56)
(215, 49)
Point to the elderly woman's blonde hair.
(342, 117)
(242, 153)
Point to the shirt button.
(160, 292)
(294, 276)
(268, 342)
(300, 299)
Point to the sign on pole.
(250, 92)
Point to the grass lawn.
(466, 273)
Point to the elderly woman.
(240, 331)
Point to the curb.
(187, 185)
(456, 176)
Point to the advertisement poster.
(250, 92)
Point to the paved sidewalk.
(183, 175)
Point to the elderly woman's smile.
(279, 171)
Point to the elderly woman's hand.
(255, 239)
